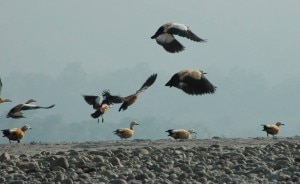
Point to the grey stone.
(16, 182)
(61, 162)
(4, 157)
(67, 181)
(118, 181)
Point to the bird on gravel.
(3, 99)
(129, 100)
(164, 36)
(180, 134)
(15, 134)
(192, 82)
(272, 129)
(16, 111)
(125, 133)
(101, 104)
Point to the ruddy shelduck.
(164, 36)
(129, 100)
(3, 99)
(180, 134)
(15, 134)
(125, 133)
(101, 106)
(192, 82)
(16, 111)
(272, 129)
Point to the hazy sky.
(56, 51)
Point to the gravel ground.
(216, 160)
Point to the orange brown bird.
(3, 99)
(180, 134)
(129, 100)
(16, 111)
(272, 129)
(192, 82)
(15, 134)
(101, 106)
(125, 133)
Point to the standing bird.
(272, 129)
(129, 100)
(164, 36)
(125, 133)
(15, 134)
(181, 134)
(101, 106)
(3, 99)
(16, 113)
(192, 82)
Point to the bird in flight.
(101, 104)
(164, 36)
(16, 111)
(192, 82)
(3, 99)
(129, 100)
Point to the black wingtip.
(51, 106)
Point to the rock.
(28, 165)
(17, 182)
(115, 161)
(59, 177)
(61, 162)
(67, 181)
(102, 153)
(142, 151)
(4, 157)
(118, 181)
(142, 176)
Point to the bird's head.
(192, 131)
(133, 123)
(279, 124)
(30, 101)
(25, 127)
(202, 71)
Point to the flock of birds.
(192, 82)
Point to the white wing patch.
(164, 38)
(178, 26)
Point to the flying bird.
(129, 100)
(180, 134)
(192, 82)
(101, 104)
(125, 133)
(164, 36)
(3, 99)
(272, 129)
(16, 112)
(15, 134)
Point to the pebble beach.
(215, 160)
